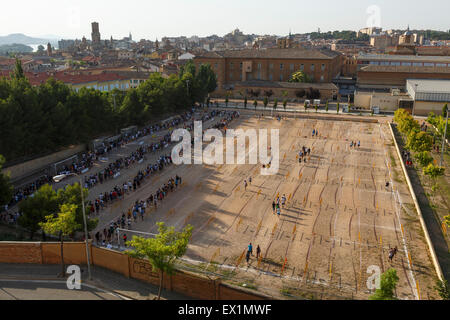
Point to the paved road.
(40, 282)
(51, 290)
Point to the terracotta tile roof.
(293, 53)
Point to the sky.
(150, 19)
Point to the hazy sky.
(150, 19)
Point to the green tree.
(63, 225)
(424, 158)
(245, 102)
(316, 107)
(35, 209)
(433, 172)
(300, 77)
(443, 289)
(255, 104)
(71, 195)
(388, 283)
(337, 108)
(18, 70)
(6, 189)
(285, 104)
(275, 104)
(444, 110)
(326, 107)
(419, 141)
(163, 250)
(265, 102)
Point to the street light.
(58, 179)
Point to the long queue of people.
(136, 212)
(88, 159)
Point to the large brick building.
(272, 65)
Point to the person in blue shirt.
(250, 249)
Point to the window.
(259, 75)
(231, 75)
(323, 67)
(302, 67)
(281, 66)
(441, 65)
(291, 67)
(428, 64)
(216, 65)
(271, 66)
(231, 65)
(240, 76)
(250, 76)
(376, 63)
(406, 63)
(417, 64)
(271, 77)
(393, 63)
(259, 66)
(240, 66)
(281, 77)
(322, 78)
(312, 67)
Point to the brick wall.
(189, 284)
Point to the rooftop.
(293, 53)
(425, 86)
(392, 57)
(405, 69)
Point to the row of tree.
(45, 118)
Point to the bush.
(388, 283)
(419, 141)
(424, 158)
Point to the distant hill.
(19, 38)
(15, 48)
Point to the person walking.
(247, 257)
(278, 211)
(273, 207)
(250, 248)
(250, 180)
(258, 252)
(245, 185)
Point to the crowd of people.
(136, 212)
(406, 155)
(88, 159)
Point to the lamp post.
(85, 225)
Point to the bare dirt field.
(340, 219)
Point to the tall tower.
(49, 49)
(95, 33)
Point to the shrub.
(424, 158)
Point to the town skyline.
(72, 21)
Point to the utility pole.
(443, 140)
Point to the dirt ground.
(339, 219)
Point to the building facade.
(272, 65)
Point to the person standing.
(250, 248)
(283, 200)
(247, 257)
(273, 206)
(245, 185)
(278, 211)
(258, 252)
